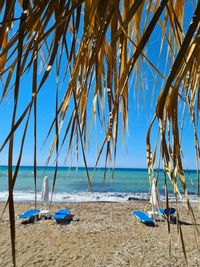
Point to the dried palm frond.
(94, 49)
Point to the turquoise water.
(72, 184)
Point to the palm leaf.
(103, 44)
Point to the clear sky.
(132, 154)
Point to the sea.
(72, 185)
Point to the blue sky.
(132, 154)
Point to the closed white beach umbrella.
(155, 199)
(45, 190)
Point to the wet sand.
(102, 234)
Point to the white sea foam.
(28, 196)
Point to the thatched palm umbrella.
(108, 39)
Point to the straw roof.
(102, 45)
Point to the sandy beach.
(102, 234)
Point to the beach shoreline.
(102, 234)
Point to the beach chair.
(157, 213)
(165, 212)
(29, 215)
(143, 217)
(63, 216)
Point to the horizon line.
(91, 167)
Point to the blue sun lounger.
(143, 217)
(165, 212)
(29, 214)
(62, 215)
